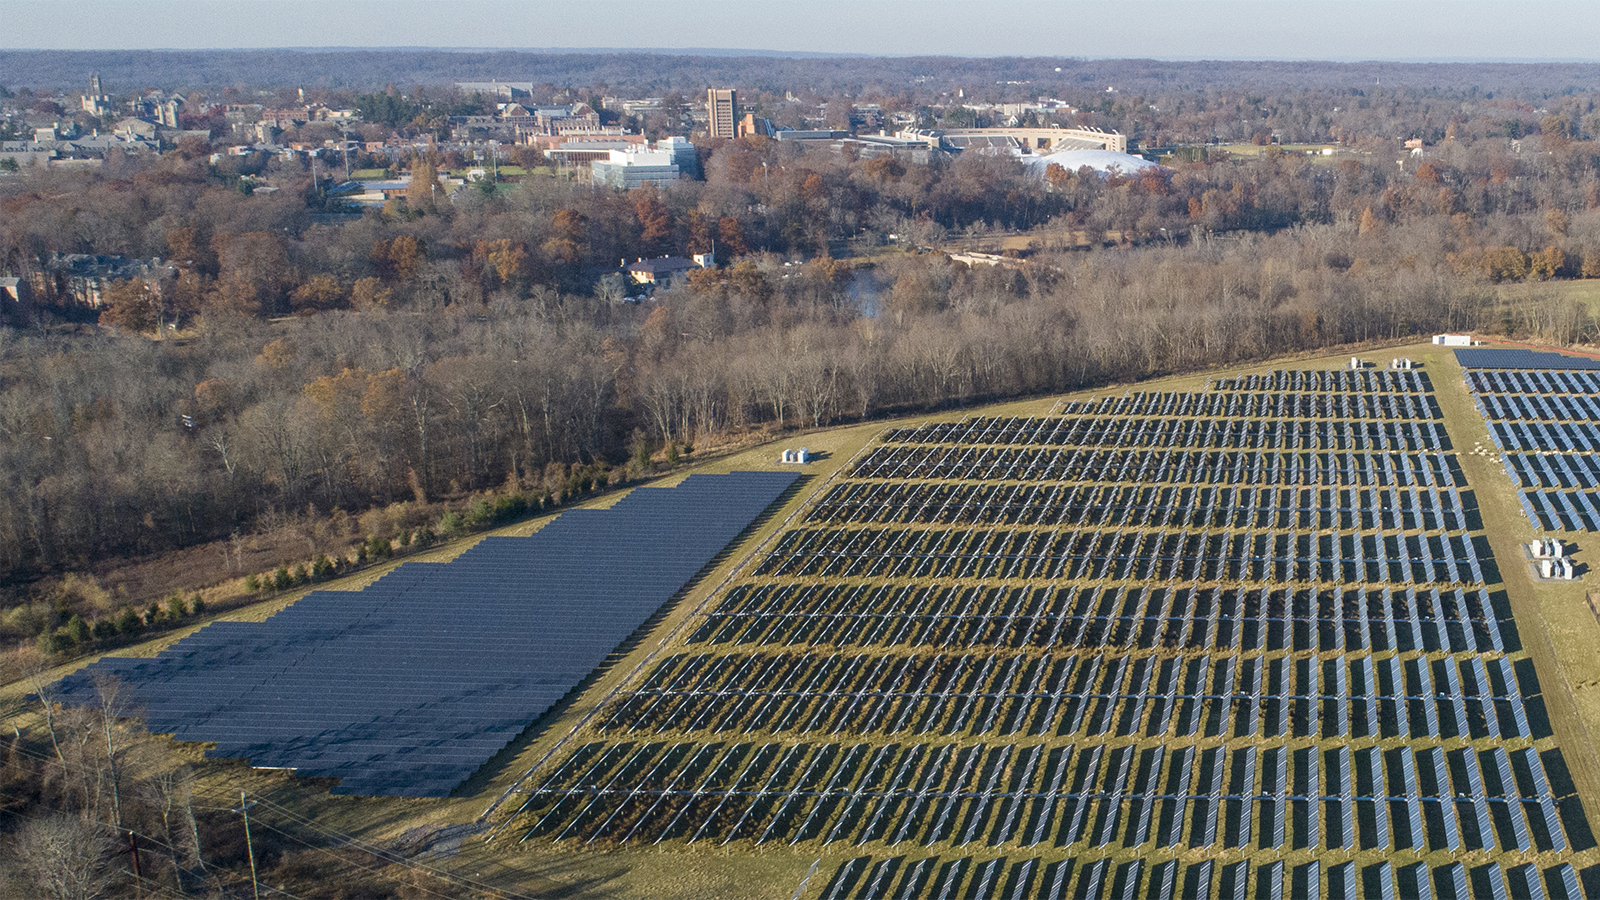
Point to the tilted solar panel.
(407, 687)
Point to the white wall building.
(634, 166)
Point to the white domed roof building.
(1102, 161)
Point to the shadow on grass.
(1569, 807)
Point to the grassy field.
(1311, 151)
(1557, 630)
(1583, 290)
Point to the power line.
(145, 881)
(337, 838)
(375, 870)
(387, 855)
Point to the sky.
(1162, 29)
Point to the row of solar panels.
(410, 685)
(1327, 380)
(1541, 437)
(1247, 405)
(1184, 432)
(863, 878)
(1558, 407)
(1169, 506)
(1532, 381)
(1026, 795)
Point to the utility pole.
(138, 868)
(244, 810)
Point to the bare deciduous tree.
(63, 857)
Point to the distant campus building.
(507, 90)
(634, 166)
(722, 108)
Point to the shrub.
(322, 568)
(510, 506)
(378, 548)
(176, 608)
(27, 621)
(104, 630)
(77, 631)
(252, 582)
(128, 622)
(480, 513)
(197, 604)
(424, 537)
(450, 525)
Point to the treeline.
(655, 73)
(114, 444)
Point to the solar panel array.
(1054, 653)
(1546, 424)
(407, 687)
(1498, 358)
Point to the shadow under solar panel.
(407, 687)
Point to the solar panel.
(1343, 882)
(1163, 880)
(1269, 881)
(1235, 882)
(1567, 878)
(407, 687)
(1386, 886)
(1497, 882)
(1526, 882)
(1414, 882)
(1092, 882)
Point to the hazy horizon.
(1176, 30)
